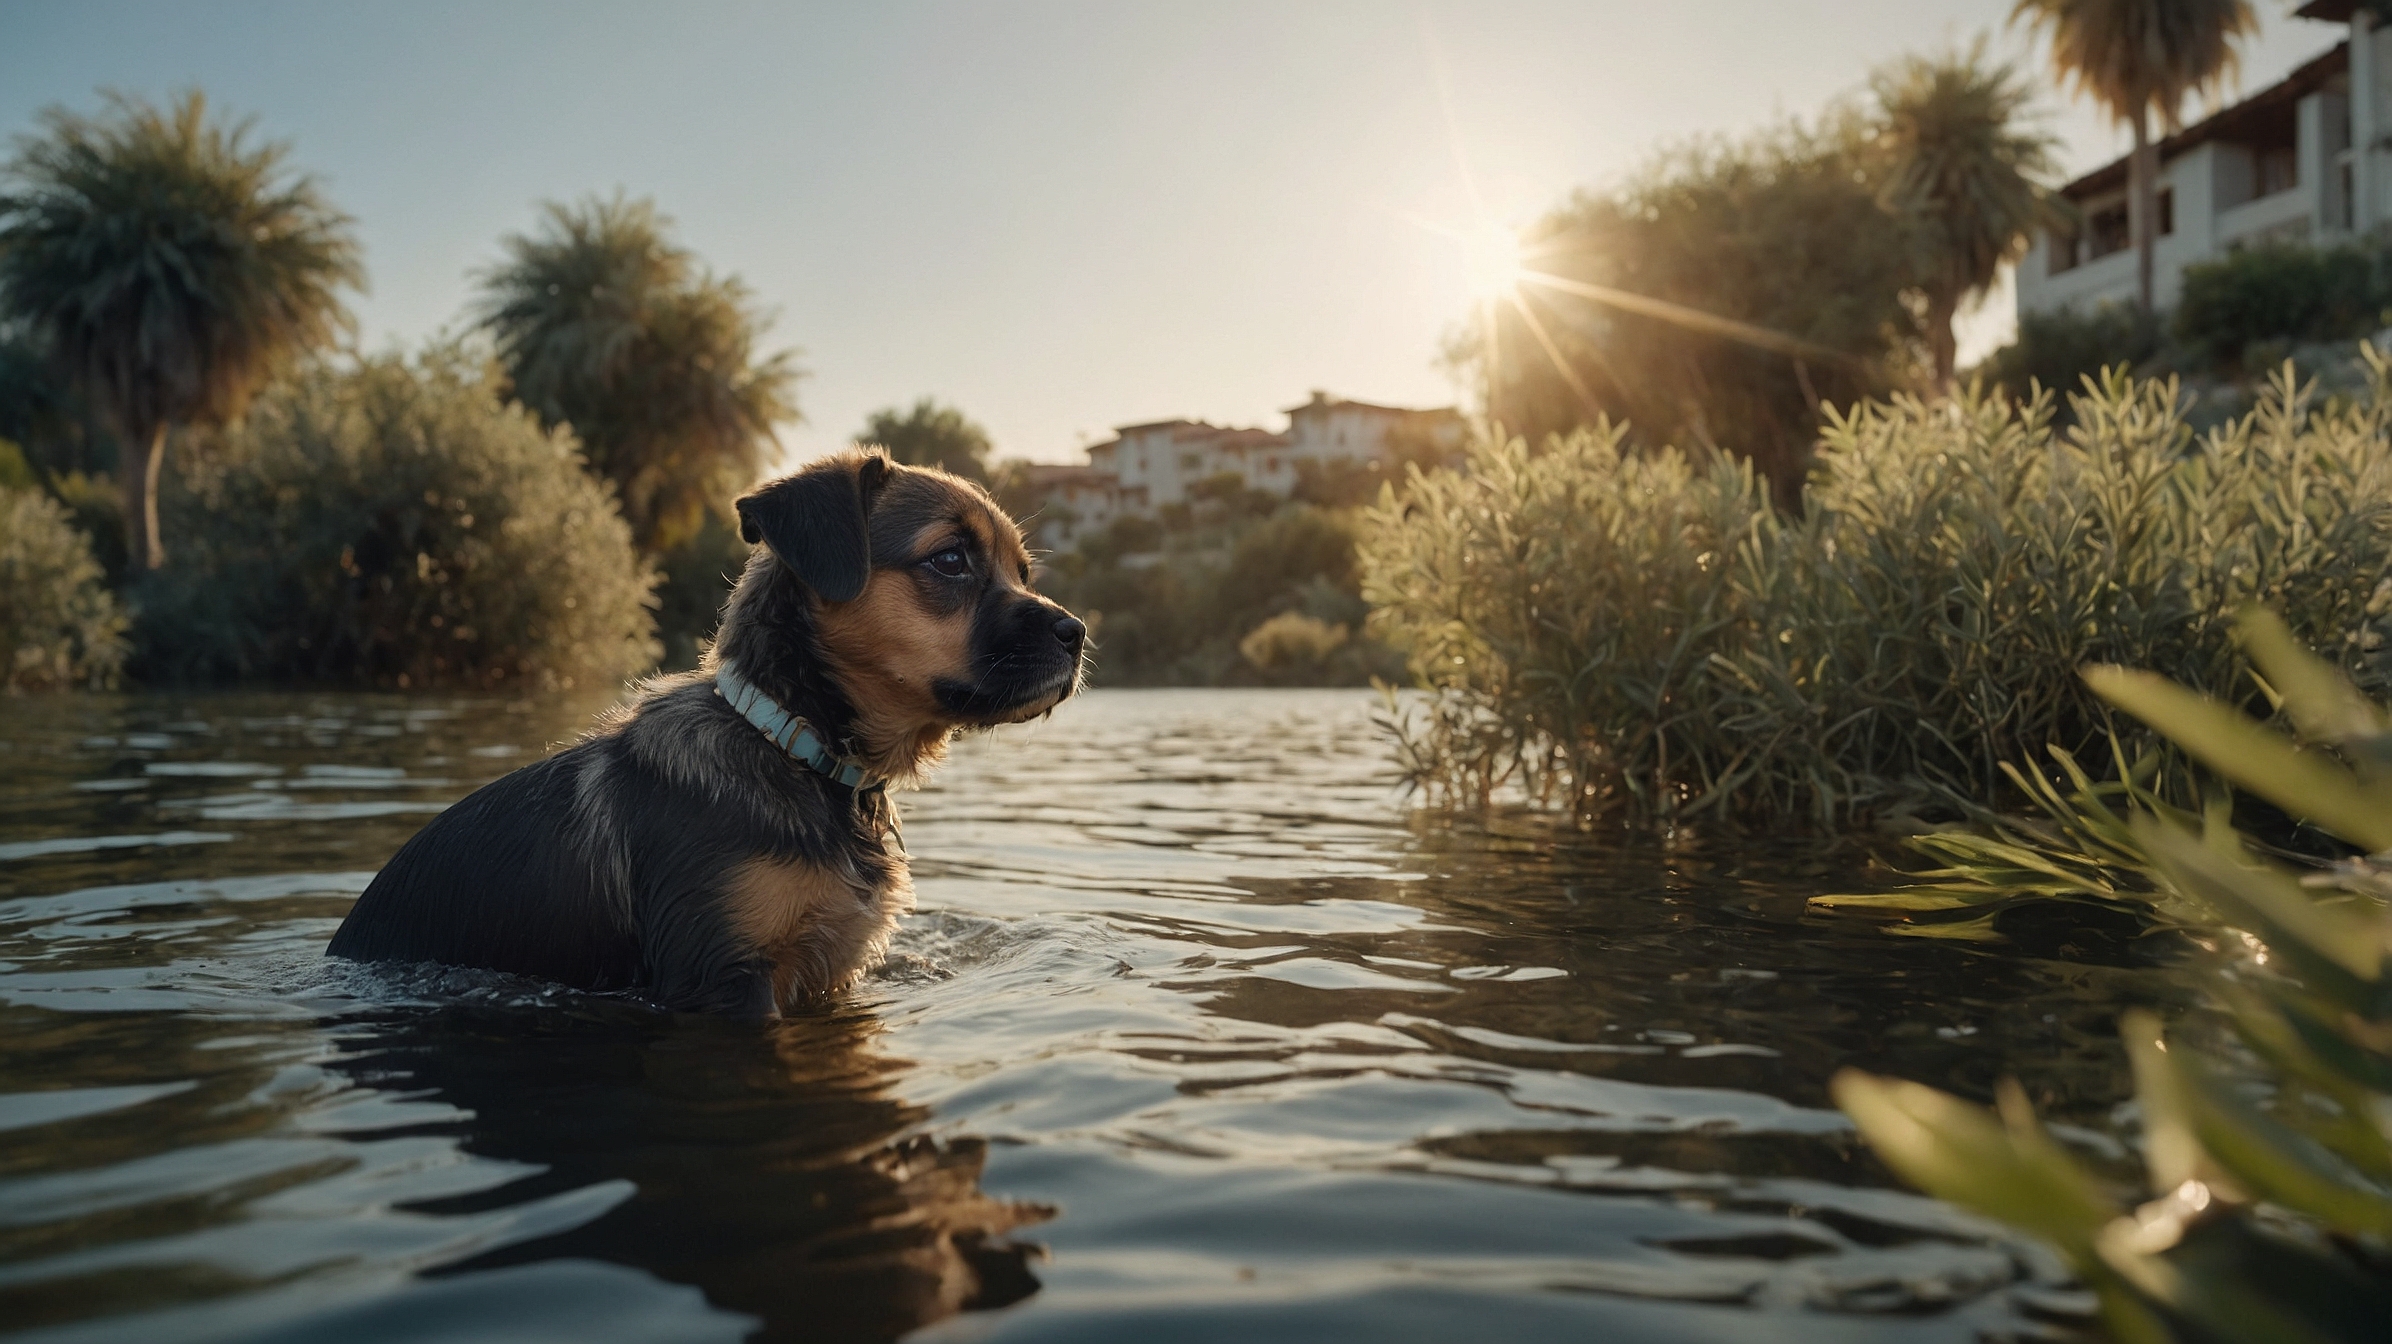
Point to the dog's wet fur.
(676, 852)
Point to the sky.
(1057, 216)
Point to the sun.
(1490, 261)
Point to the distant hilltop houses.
(1150, 467)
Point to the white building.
(2306, 160)
(1148, 467)
(1074, 503)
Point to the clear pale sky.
(1058, 216)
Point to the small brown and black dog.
(723, 842)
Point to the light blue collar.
(790, 733)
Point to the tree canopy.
(928, 434)
(1786, 231)
(604, 323)
(166, 267)
(397, 522)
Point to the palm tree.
(606, 325)
(2136, 58)
(167, 269)
(1966, 170)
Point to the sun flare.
(1491, 261)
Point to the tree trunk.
(137, 488)
(2142, 209)
(1941, 343)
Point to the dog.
(723, 841)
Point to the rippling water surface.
(1199, 1033)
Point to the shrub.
(1292, 640)
(396, 524)
(1642, 634)
(2058, 351)
(59, 625)
(2280, 293)
(697, 576)
(1180, 618)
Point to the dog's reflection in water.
(771, 1167)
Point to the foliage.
(2281, 292)
(1176, 606)
(96, 509)
(2076, 845)
(604, 324)
(928, 434)
(2272, 1215)
(397, 524)
(1788, 231)
(167, 269)
(1639, 634)
(42, 413)
(1968, 172)
(1292, 642)
(696, 579)
(2141, 58)
(59, 625)
(2058, 351)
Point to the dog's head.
(918, 594)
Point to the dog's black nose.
(1071, 630)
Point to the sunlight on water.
(1199, 1031)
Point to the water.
(1199, 1033)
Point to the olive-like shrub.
(59, 624)
(1641, 634)
(395, 523)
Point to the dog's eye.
(950, 563)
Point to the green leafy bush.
(2282, 293)
(2058, 351)
(697, 578)
(396, 524)
(1641, 634)
(1171, 605)
(1292, 641)
(1794, 232)
(2269, 1210)
(59, 625)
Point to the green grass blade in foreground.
(2340, 955)
(2322, 702)
(2006, 1168)
(2197, 1128)
(2305, 784)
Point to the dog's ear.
(814, 522)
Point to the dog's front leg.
(742, 989)
(700, 961)
(750, 994)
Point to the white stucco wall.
(2208, 183)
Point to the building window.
(1190, 461)
(2106, 232)
(2279, 169)
(2167, 212)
